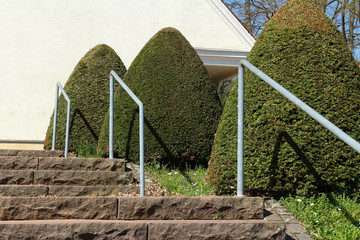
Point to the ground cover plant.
(181, 106)
(286, 151)
(327, 216)
(88, 90)
(185, 181)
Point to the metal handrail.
(306, 108)
(58, 85)
(141, 125)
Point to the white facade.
(41, 42)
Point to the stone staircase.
(46, 196)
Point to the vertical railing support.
(58, 85)
(111, 117)
(141, 125)
(240, 140)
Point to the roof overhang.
(221, 64)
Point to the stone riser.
(130, 208)
(54, 190)
(142, 230)
(52, 177)
(59, 163)
(31, 153)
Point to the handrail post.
(111, 117)
(240, 140)
(141, 125)
(55, 117)
(141, 147)
(58, 85)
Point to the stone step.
(31, 153)
(142, 230)
(176, 208)
(54, 177)
(131, 208)
(60, 163)
(42, 208)
(58, 190)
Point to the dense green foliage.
(180, 101)
(88, 90)
(286, 151)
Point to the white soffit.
(234, 23)
(221, 57)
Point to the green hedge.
(180, 101)
(88, 90)
(286, 151)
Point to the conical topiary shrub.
(286, 151)
(180, 101)
(88, 90)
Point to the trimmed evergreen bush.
(88, 90)
(181, 106)
(286, 151)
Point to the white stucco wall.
(41, 41)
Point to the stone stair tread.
(143, 229)
(58, 177)
(59, 190)
(60, 163)
(31, 153)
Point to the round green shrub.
(181, 106)
(88, 90)
(286, 151)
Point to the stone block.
(16, 176)
(84, 178)
(56, 190)
(18, 163)
(23, 190)
(174, 208)
(70, 229)
(238, 229)
(33, 208)
(83, 164)
(31, 153)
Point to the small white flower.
(338, 208)
(299, 200)
(194, 174)
(311, 204)
(175, 172)
(169, 173)
(315, 213)
(317, 221)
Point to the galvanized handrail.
(306, 108)
(141, 125)
(58, 85)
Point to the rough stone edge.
(294, 229)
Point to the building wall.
(42, 41)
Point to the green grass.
(187, 182)
(327, 216)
